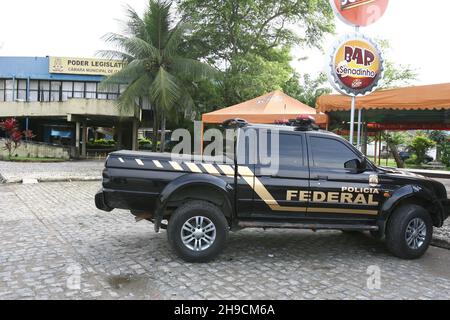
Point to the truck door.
(281, 175)
(335, 192)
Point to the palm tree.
(156, 68)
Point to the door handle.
(322, 178)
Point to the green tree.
(225, 29)
(252, 75)
(250, 40)
(394, 140)
(157, 70)
(308, 89)
(395, 75)
(445, 154)
(440, 138)
(421, 144)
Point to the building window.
(9, 86)
(91, 90)
(78, 90)
(56, 93)
(21, 90)
(2, 90)
(67, 87)
(44, 91)
(34, 85)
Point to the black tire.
(188, 211)
(396, 231)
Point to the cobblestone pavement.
(55, 244)
(15, 172)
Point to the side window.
(271, 151)
(280, 152)
(330, 153)
(290, 152)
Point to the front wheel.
(197, 231)
(409, 232)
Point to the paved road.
(15, 172)
(55, 244)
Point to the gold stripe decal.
(263, 193)
(176, 165)
(210, 169)
(227, 170)
(193, 167)
(340, 210)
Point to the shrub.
(13, 135)
(420, 145)
(103, 142)
(145, 141)
(445, 154)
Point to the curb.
(431, 174)
(49, 179)
(440, 243)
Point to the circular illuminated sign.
(359, 12)
(356, 65)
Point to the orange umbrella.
(268, 108)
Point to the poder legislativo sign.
(359, 12)
(356, 65)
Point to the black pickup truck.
(320, 181)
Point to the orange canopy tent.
(266, 109)
(418, 107)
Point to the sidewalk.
(27, 172)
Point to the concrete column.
(77, 138)
(119, 135)
(84, 137)
(134, 142)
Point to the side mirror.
(356, 165)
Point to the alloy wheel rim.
(416, 233)
(198, 233)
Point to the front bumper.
(100, 201)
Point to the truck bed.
(134, 180)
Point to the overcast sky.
(417, 30)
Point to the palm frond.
(128, 99)
(186, 103)
(134, 46)
(193, 69)
(129, 73)
(176, 36)
(114, 54)
(165, 90)
(135, 25)
(157, 21)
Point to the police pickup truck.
(319, 181)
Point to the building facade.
(62, 102)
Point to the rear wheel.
(409, 232)
(197, 231)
